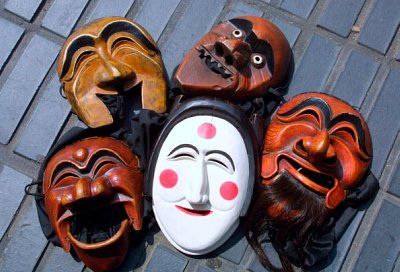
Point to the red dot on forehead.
(229, 190)
(206, 131)
(168, 178)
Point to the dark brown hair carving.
(238, 59)
(93, 197)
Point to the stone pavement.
(349, 48)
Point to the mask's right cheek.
(168, 183)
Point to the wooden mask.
(238, 59)
(111, 57)
(93, 197)
(322, 142)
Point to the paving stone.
(21, 85)
(56, 259)
(340, 15)
(44, 125)
(166, 259)
(384, 133)
(394, 187)
(337, 257)
(255, 265)
(301, 8)
(355, 80)
(156, 24)
(240, 9)
(381, 25)
(9, 35)
(291, 32)
(315, 66)
(204, 269)
(12, 185)
(105, 8)
(62, 15)
(23, 8)
(235, 247)
(382, 246)
(199, 16)
(24, 242)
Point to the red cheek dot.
(206, 130)
(168, 178)
(229, 190)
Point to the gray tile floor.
(349, 48)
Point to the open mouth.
(194, 212)
(94, 225)
(214, 64)
(316, 177)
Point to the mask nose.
(235, 51)
(318, 147)
(197, 189)
(86, 188)
(112, 73)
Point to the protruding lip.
(193, 212)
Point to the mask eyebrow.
(317, 102)
(242, 24)
(119, 26)
(182, 146)
(223, 154)
(78, 43)
(356, 122)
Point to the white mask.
(201, 182)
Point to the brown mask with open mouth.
(109, 57)
(93, 197)
(322, 142)
(238, 59)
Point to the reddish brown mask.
(322, 142)
(239, 59)
(93, 197)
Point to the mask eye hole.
(257, 60)
(237, 33)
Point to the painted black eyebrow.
(79, 42)
(317, 102)
(223, 154)
(115, 27)
(257, 45)
(354, 120)
(182, 146)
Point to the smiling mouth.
(319, 178)
(193, 212)
(214, 64)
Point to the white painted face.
(201, 183)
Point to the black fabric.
(322, 242)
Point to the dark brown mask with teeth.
(238, 59)
(93, 197)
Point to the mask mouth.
(214, 64)
(193, 212)
(318, 178)
(94, 223)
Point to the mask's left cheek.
(168, 183)
(351, 168)
(225, 191)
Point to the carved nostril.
(219, 50)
